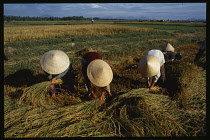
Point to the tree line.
(27, 18)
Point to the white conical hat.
(168, 47)
(99, 73)
(149, 66)
(54, 62)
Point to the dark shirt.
(67, 76)
(169, 55)
(5, 58)
(203, 45)
(89, 57)
(86, 59)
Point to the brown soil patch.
(191, 35)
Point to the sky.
(164, 11)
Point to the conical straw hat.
(149, 66)
(168, 47)
(99, 73)
(54, 62)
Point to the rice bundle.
(59, 81)
(131, 114)
(136, 113)
(140, 113)
(183, 83)
(39, 95)
(187, 84)
(35, 95)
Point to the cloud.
(112, 10)
(95, 6)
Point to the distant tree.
(96, 18)
(27, 18)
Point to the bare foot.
(150, 89)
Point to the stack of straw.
(39, 95)
(136, 113)
(35, 95)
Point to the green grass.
(201, 24)
(108, 45)
(168, 28)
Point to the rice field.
(176, 108)
(38, 32)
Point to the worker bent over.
(98, 72)
(151, 66)
(56, 65)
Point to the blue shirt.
(58, 76)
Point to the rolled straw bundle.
(35, 95)
(39, 95)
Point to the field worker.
(98, 72)
(56, 65)
(5, 58)
(201, 51)
(92, 20)
(151, 66)
(168, 52)
(178, 56)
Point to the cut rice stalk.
(35, 95)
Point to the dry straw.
(183, 80)
(37, 32)
(39, 95)
(136, 113)
(35, 95)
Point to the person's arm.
(154, 80)
(50, 77)
(108, 89)
(52, 86)
(149, 81)
(91, 91)
(88, 85)
(151, 86)
(101, 98)
(86, 80)
(53, 81)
